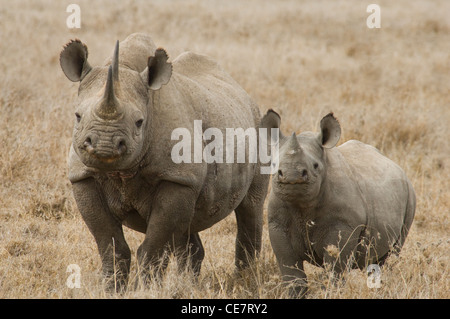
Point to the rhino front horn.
(115, 63)
(109, 106)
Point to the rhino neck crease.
(123, 175)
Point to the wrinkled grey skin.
(120, 162)
(351, 197)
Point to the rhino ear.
(271, 120)
(158, 71)
(73, 60)
(330, 131)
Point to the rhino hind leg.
(249, 218)
(407, 222)
(409, 216)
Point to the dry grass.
(388, 87)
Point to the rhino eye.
(316, 165)
(139, 123)
(78, 116)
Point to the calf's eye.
(78, 116)
(316, 165)
(139, 123)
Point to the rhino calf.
(346, 206)
(120, 162)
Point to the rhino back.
(220, 99)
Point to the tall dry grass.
(388, 87)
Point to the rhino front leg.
(289, 261)
(190, 252)
(169, 219)
(107, 231)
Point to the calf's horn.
(293, 144)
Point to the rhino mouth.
(292, 182)
(106, 156)
(295, 191)
(107, 160)
(301, 180)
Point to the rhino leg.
(249, 218)
(407, 220)
(170, 217)
(190, 252)
(340, 248)
(289, 261)
(107, 231)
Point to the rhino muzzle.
(105, 151)
(297, 176)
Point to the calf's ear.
(73, 60)
(271, 120)
(158, 71)
(330, 131)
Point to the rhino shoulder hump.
(354, 144)
(190, 64)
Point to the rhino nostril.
(88, 145)
(88, 141)
(305, 174)
(121, 147)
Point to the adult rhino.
(120, 161)
(346, 206)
